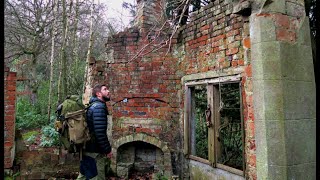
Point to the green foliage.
(29, 134)
(49, 137)
(230, 133)
(76, 78)
(201, 131)
(43, 97)
(31, 139)
(27, 116)
(30, 116)
(159, 176)
(11, 177)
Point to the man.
(98, 148)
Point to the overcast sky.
(116, 11)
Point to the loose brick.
(246, 43)
(282, 21)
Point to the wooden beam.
(211, 137)
(218, 80)
(230, 169)
(196, 158)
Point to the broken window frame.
(213, 100)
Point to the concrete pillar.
(283, 90)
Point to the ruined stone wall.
(147, 85)
(9, 116)
(144, 88)
(217, 43)
(284, 91)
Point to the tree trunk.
(63, 73)
(33, 82)
(88, 79)
(55, 6)
(75, 37)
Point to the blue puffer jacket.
(97, 123)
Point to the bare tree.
(88, 81)
(26, 33)
(62, 84)
(55, 7)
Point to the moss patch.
(28, 134)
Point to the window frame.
(213, 100)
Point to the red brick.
(252, 160)
(246, 43)
(10, 98)
(250, 129)
(219, 37)
(9, 108)
(282, 21)
(11, 77)
(11, 88)
(237, 25)
(13, 83)
(8, 144)
(285, 35)
(204, 27)
(233, 33)
(156, 64)
(202, 43)
(248, 71)
(234, 63)
(9, 112)
(232, 51)
(9, 120)
(216, 49)
(241, 62)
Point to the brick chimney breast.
(150, 13)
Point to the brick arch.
(147, 139)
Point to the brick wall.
(9, 117)
(146, 85)
(217, 40)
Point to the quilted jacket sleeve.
(99, 116)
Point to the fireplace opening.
(139, 158)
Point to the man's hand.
(109, 155)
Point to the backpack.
(71, 124)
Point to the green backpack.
(71, 124)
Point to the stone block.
(123, 169)
(297, 63)
(276, 172)
(265, 51)
(300, 141)
(300, 100)
(261, 141)
(262, 170)
(276, 142)
(262, 29)
(270, 107)
(302, 171)
(303, 31)
(267, 70)
(295, 10)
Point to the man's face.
(104, 93)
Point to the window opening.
(199, 143)
(220, 141)
(229, 133)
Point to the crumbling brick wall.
(146, 85)
(9, 116)
(219, 41)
